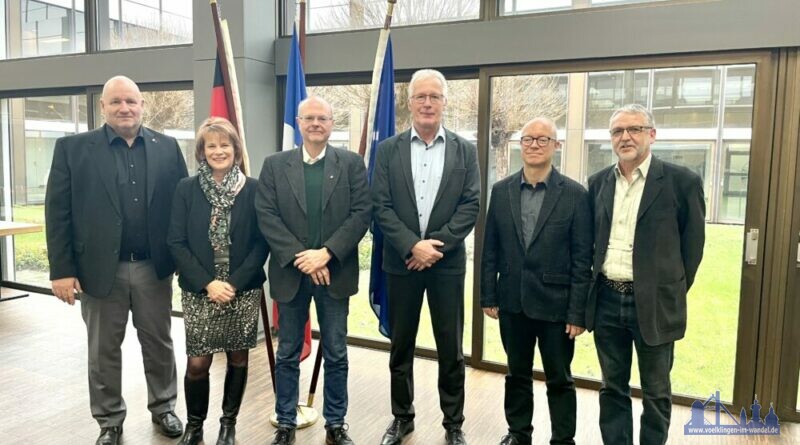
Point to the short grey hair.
(634, 109)
(424, 75)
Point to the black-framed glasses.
(435, 98)
(320, 119)
(541, 141)
(633, 130)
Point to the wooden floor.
(44, 397)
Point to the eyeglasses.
(311, 119)
(633, 131)
(541, 141)
(435, 98)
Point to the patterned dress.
(212, 327)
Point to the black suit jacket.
(454, 211)
(82, 209)
(188, 238)
(548, 279)
(667, 246)
(281, 208)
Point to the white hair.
(424, 75)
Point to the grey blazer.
(667, 245)
(454, 211)
(281, 209)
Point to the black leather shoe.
(109, 435)
(337, 435)
(284, 436)
(397, 430)
(508, 439)
(168, 424)
(454, 436)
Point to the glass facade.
(41, 28)
(512, 7)
(29, 128)
(342, 15)
(140, 23)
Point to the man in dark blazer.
(649, 231)
(313, 208)
(425, 194)
(107, 210)
(535, 274)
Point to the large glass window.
(139, 23)
(339, 15)
(688, 103)
(512, 7)
(29, 128)
(31, 28)
(349, 106)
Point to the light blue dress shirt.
(427, 165)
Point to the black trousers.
(616, 333)
(519, 335)
(446, 304)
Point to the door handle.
(751, 247)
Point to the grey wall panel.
(166, 64)
(656, 28)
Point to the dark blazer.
(281, 208)
(82, 210)
(454, 211)
(188, 238)
(548, 279)
(667, 246)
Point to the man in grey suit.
(313, 207)
(426, 197)
(649, 231)
(107, 210)
(535, 272)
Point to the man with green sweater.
(313, 208)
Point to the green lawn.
(704, 360)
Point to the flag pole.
(369, 122)
(229, 77)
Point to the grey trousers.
(137, 290)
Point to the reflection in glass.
(734, 181)
(41, 28)
(340, 15)
(739, 84)
(686, 97)
(511, 7)
(29, 128)
(349, 104)
(608, 91)
(137, 23)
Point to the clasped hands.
(220, 292)
(424, 254)
(314, 263)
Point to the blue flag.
(295, 93)
(383, 128)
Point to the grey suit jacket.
(281, 208)
(549, 278)
(83, 213)
(454, 211)
(667, 245)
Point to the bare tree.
(371, 13)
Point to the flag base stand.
(306, 416)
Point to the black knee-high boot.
(235, 382)
(196, 392)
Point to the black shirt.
(531, 198)
(132, 189)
